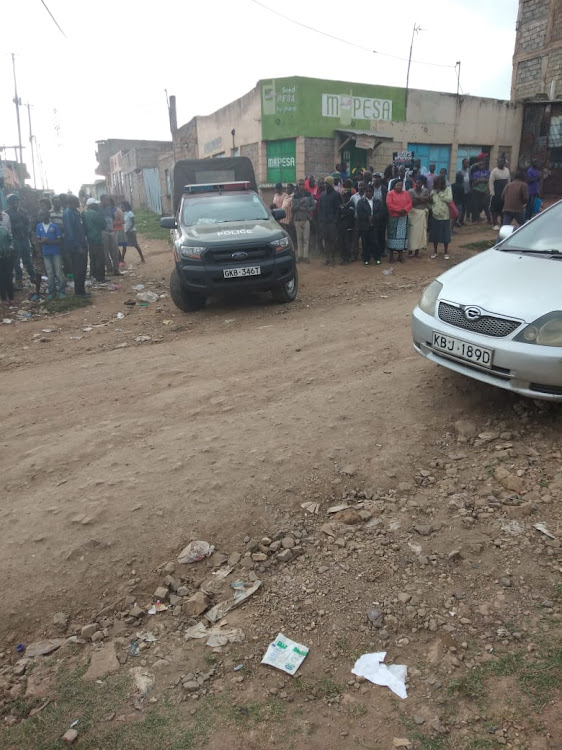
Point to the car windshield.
(218, 209)
(541, 235)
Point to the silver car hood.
(511, 284)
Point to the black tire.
(287, 292)
(186, 301)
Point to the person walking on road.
(130, 230)
(94, 225)
(76, 244)
(303, 207)
(328, 214)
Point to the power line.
(345, 41)
(54, 19)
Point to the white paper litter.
(392, 676)
(215, 635)
(542, 527)
(285, 654)
(241, 593)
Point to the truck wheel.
(186, 301)
(286, 292)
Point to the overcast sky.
(107, 78)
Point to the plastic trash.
(120, 316)
(134, 648)
(20, 648)
(388, 271)
(241, 593)
(158, 607)
(215, 636)
(393, 676)
(142, 338)
(7, 321)
(148, 297)
(542, 527)
(195, 551)
(285, 654)
(138, 287)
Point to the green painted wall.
(315, 108)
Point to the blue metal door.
(430, 153)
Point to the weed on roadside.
(148, 224)
(64, 305)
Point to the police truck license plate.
(236, 273)
(457, 348)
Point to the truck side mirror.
(168, 222)
(278, 214)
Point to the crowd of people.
(396, 214)
(60, 241)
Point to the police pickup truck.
(227, 240)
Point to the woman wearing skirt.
(417, 219)
(440, 221)
(399, 205)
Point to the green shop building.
(296, 127)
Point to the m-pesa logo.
(356, 107)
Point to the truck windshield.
(219, 209)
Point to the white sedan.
(497, 317)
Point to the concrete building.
(537, 84)
(296, 126)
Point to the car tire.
(287, 292)
(186, 301)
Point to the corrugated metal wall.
(152, 189)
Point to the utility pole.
(458, 67)
(414, 32)
(28, 105)
(17, 103)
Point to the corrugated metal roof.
(351, 132)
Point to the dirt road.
(125, 437)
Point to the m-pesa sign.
(356, 107)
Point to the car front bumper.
(527, 369)
(208, 279)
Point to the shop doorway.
(355, 158)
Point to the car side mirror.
(168, 222)
(278, 214)
(505, 232)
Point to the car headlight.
(280, 244)
(191, 253)
(545, 331)
(429, 297)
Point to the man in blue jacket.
(75, 244)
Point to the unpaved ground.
(116, 452)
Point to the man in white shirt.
(500, 176)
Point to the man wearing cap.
(22, 246)
(328, 212)
(94, 225)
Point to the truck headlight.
(191, 253)
(545, 331)
(280, 244)
(429, 297)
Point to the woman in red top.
(399, 204)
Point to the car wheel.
(186, 301)
(287, 292)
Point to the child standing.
(50, 236)
(130, 230)
(7, 256)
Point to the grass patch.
(538, 680)
(148, 224)
(64, 305)
(479, 245)
(325, 687)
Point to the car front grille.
(253, 255)
(487, 325)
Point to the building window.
(281, 161)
